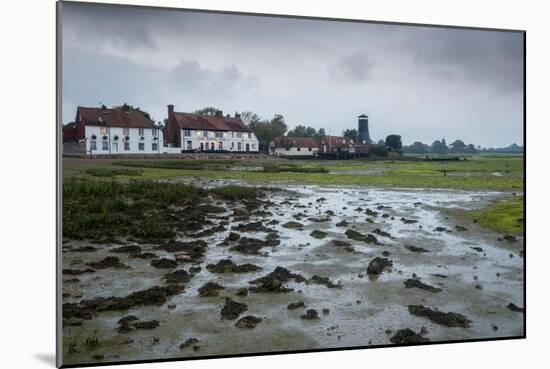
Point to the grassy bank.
(505, 215)
(475, 173)
(107, 208)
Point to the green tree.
(266, 130)
(302, 131)
(129, 107)
(209, 110)
(249, 117)
(351, 133)
(458, 146)
(417, 148)
(394, 141)
(440, 147)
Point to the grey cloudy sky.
(421, 82)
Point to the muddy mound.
(195, 249)
(189, 342)
(343, 223)
(296, 305)
(210, 289)
(273, 282)
(281, 274)
(356, 236)
(416, 249)
(208, 232)
(248, 321)
(380, 232)
(315, 279)
(131, 249)
(86, 309)
(377, 265)
(445, 319)
(108, 262)
(293, 225)
(233, 236)
(232, 309)
(408, 221)
(515, 308)
(164, 263)
(415, 283)
(407, 336)
(252, 246)
(131, 322)
(177, 276)
(311, 314)
(228, 266)
(144, 255)
(84, 249)
(250, 227)
(318, 234)
(77, 271)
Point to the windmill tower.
(363, 129)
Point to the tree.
(351, 133)
(129, 107)
(249, 117)
(209, 110)
(381, 142)
(458, 146)
(266, 130)
(470, 149)
(440, 147)
(394, 141)
(302, 131)
(417, 148)
(320, 133)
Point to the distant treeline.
(457, 147)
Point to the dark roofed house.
(199, 132)
(119, 130)
(293, 146)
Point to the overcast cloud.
(423, 83)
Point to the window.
(155, 132)
(309, 149)
(141, 131)
(126, 145)
(220, 145)
(205, 134)
(253, 146)
(239, 134)
(239, 146)
(212, 146)
(155, 146)
(232, 145)
(287, 148)
(233, 134)
(219, 134)
(126, 131)
(105, 145)
(187, 132)
(141, 146)
(114, 146)
(189, 145)
(103, 130)
(299, 149)
(93, 145)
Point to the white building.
(293, 146)
(112, 131)
(211, 133)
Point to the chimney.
(170, 111)
(219, 114)
(237, 115)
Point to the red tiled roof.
(291, 141)
(210, 122)
(116, 117)
(336, 141)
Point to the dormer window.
(94, 137)
(115, 138)
(105, 138)
(141, 131)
